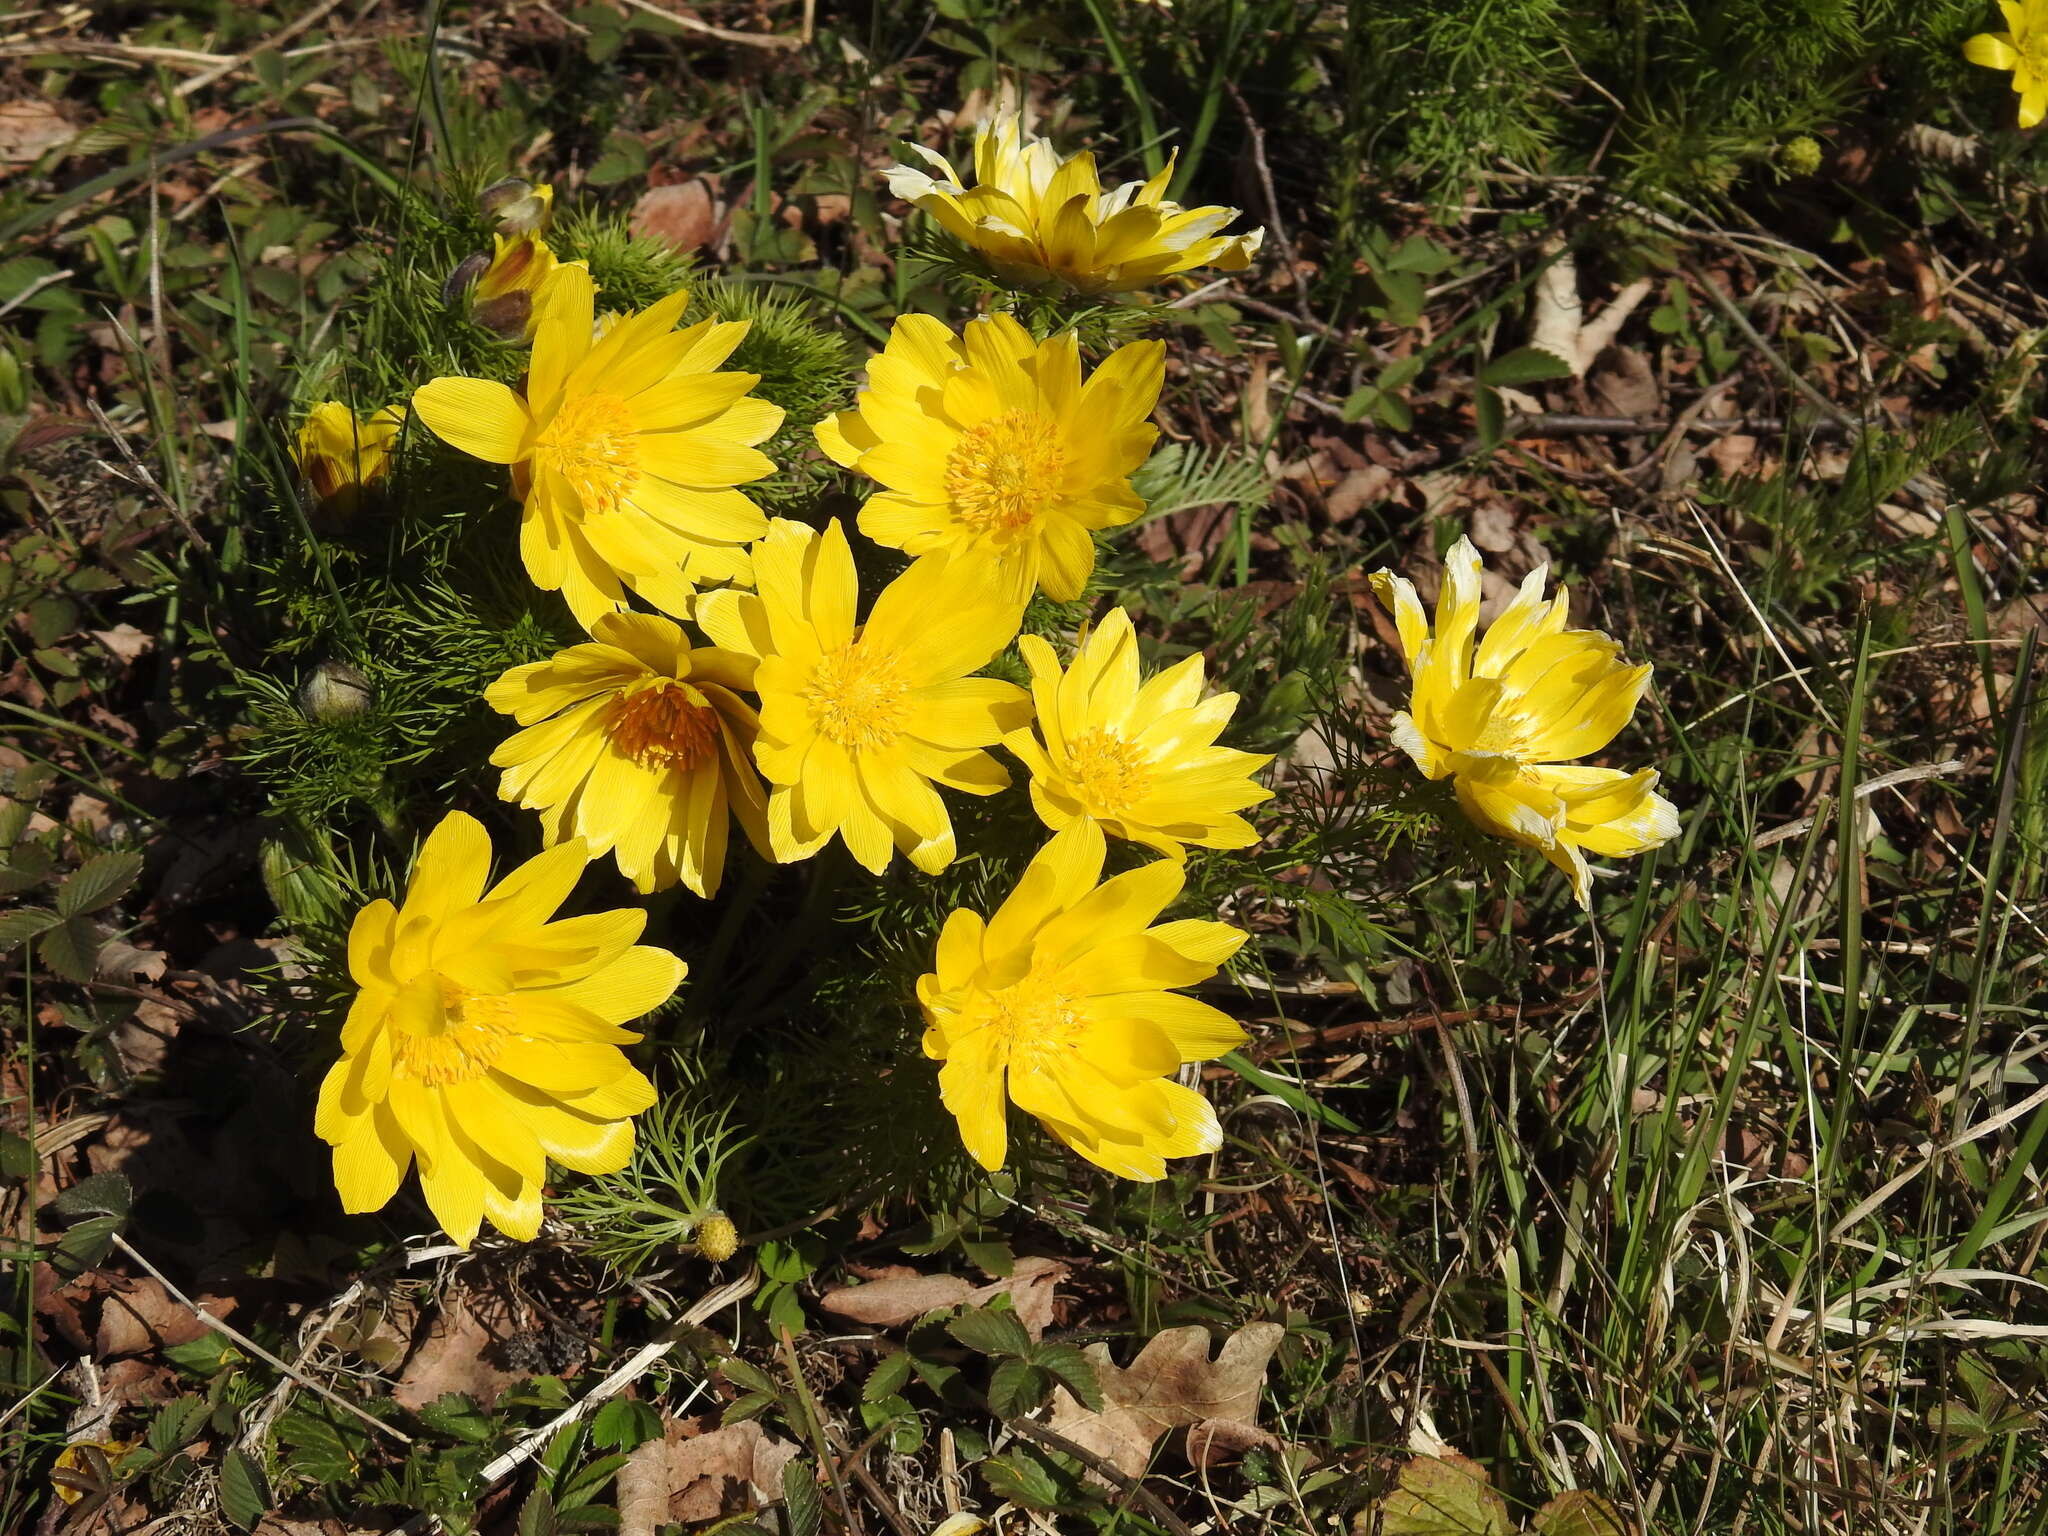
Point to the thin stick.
(236, 1336)
(723, 34)
(1258, 136)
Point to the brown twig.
(1273, 219)
(1131, 1487)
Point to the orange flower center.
(858, 698)
(666, 725)
(1113, 775)
(1034, 1020)
(454, 1037)
(1003, 473)
(592, 444)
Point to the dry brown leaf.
(124, 640)
(897, 1299)
(457, 1354)
(31, 129)
(687, 215)
(1173, 1383)
(695, 1477)
(1625, 384)
(139, 1317)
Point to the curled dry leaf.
(1173, 1384)
(696, 1477)
(467, 1335)
(1031, 1286)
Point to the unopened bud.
(717, 1238)
(464, 277)
(332, 691)
(519, 206)
(1800, 156)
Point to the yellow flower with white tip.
(2023, 50)
(1138, 758)
(626, 450)
(1063, 1003)
(860, 720)
(341, 455)
(639, 744)
(484, 1037)
(1036, 216)
(991, 445)
(1503, 715)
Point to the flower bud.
(341, 456)
(332, 691)
(519, 206)
(1800, 156)
(464, 277)
(717, 1238)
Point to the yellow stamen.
(591, 444)
(1035, 1022)
(858, 698)
(1003, 473)
(471, 1030)
(665, 725)
(1113, 774)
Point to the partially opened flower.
(1503, 715)
(484, 1039)
(641, 746)
(2023, 49)
(341, 456)
(625, 450)
(859, 721)
(1062, 1004)
(1036, 216)
(506, 296)
(990, 444)
(518, 206)
(1138, 759)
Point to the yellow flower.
(86, 1466)
(625, 450)
(1140, 761)
(640, 746)
(860, 720)
(1060, 1003)
(2022, 50)
(1504, 717)
(506, 298)
(340, 456)
(485, 1037)
(990, 444)
(1036, 216)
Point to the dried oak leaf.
(1172, 1384)
(894, 1300)
(696, 1477)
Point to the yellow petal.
(481, 417)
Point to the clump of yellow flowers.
(487, 1034)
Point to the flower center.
(468, 1031)
(1003, 473)
(858, 698)
(2033, 51)
(591, 444)
(1035, 1022)
(664, 725)
(1113, 774)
